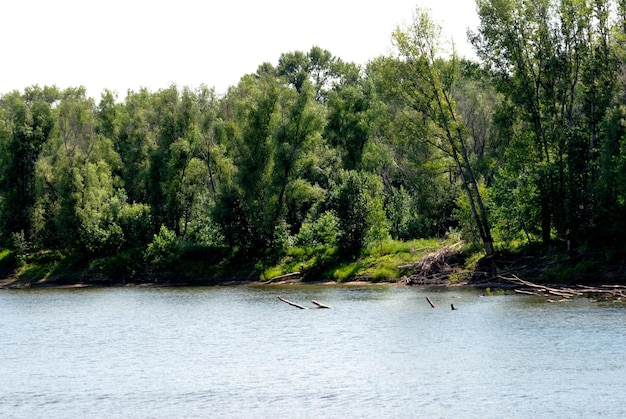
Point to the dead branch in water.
(320, 305)
(617, 292)
(317, 304)
(292, 304)
(430, 302)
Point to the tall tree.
(318, 66)
(424, 81)
(135, 143)
(26, 123)
(554, 63)
(80, 193)
(350, 118)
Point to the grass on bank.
(375, 264)
(532, 261)
(35, 267)
(195, 264)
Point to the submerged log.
(291, 303)
(430, 302)
(320, 305)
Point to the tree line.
(524, 144)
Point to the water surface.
(240, 352)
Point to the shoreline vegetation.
(553, 274)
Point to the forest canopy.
(524, 144)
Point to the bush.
(164, 249)
(134, 220)
(320, 232)
(20, 246)
(351, 204)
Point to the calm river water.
(228, 352)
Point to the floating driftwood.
(317, 304)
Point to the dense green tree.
(318, 66)
(424, 82)
(26, 123)
(350, 120)
(79, 198)
(274, 127)
(555, 62)
(350, 204)
(299, 133)
(135, 143)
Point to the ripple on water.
(239, 352)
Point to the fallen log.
(614, 291)
(525, 292)
(320, 305)
(292, 304)
(572, 291)
(285, 276)
(563, 292)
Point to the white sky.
(128, 44)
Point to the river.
(381, 351)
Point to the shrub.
(164, 249)
(320, 232)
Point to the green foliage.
(351, 206)
(164, 249)
(20, 246)
(350, 121)
(384, 274)
(516, 206)
(124, 265)
(465, 216)
(378, 230)
(319, 232)
(346, 272)
(301, 197)
(422, 84)
(134, 220)
(558, 66)
(26, 123)
(399, 211)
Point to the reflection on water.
(240, 352)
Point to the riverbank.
(448, 264)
